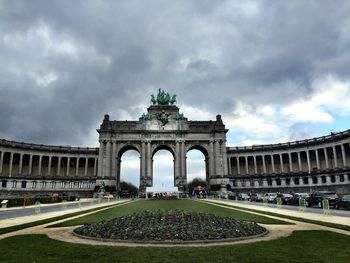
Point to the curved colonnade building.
(321, 163)
(314, 164)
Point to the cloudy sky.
(275, 70)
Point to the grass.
(49, 220)
(301, 246)
(168, 204)
(338, 226)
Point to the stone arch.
(121, 149)
(204, 150)
(166, 147)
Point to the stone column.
(20, 163)
(281, 163)
(86, 166)
(143, 160)
(183, 160)
(68, 166)
(113, 160)
(326, 157)
(224, 158)
(107, 172)
(149, 160)
(49, 166)
(290, 162)
(308, 161)
(59, 165)
(1, 161)
(11, 163)
(100, 160)
(218, 164)
(255, 166)
(95, 167)
(246, 165)
(264, 163)
(40, 164)
(273, 164)
(211, 158)
(77, 166)
(343, 155)
(299, 161)
(238, 166)
(118, 165)
(177, 160)
(317, 159)
(335, 157)
(229, 165)
(30, 164)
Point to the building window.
(4, 183)
(71, 185)
(306, 180)
(43, 184)
(332, 179)
(323, 179)
(296, 181)
(269, 181)
(53, 184)
(341, 178)
(63, 184)
(287, 181)
(278, 181)
(314, 180)
(14, 184)
(34, 184)
(24, 184)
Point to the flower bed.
(172, 225)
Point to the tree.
(128, 188)
(194, 183)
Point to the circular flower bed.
(172, 225)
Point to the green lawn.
(301, 246)
(169, 204)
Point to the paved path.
(306, 215)
(32, 218)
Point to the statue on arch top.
(163, 98)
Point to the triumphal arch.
(163, 127)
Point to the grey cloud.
(129, 49)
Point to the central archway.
(163, 168)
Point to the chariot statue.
(163, 98)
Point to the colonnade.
(289, 161)
(13, 163)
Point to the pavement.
(306, 215)
(32, 218)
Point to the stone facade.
(315, 164)
(163, 127)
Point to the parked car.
(284, 198)
(343, 203)
(296, 196)
(231, 196)
(270, 197)
(256, 197)
(223, 195)
(316, 198)
(243, 197)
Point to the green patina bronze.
(163, 98)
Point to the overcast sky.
(275, 70)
